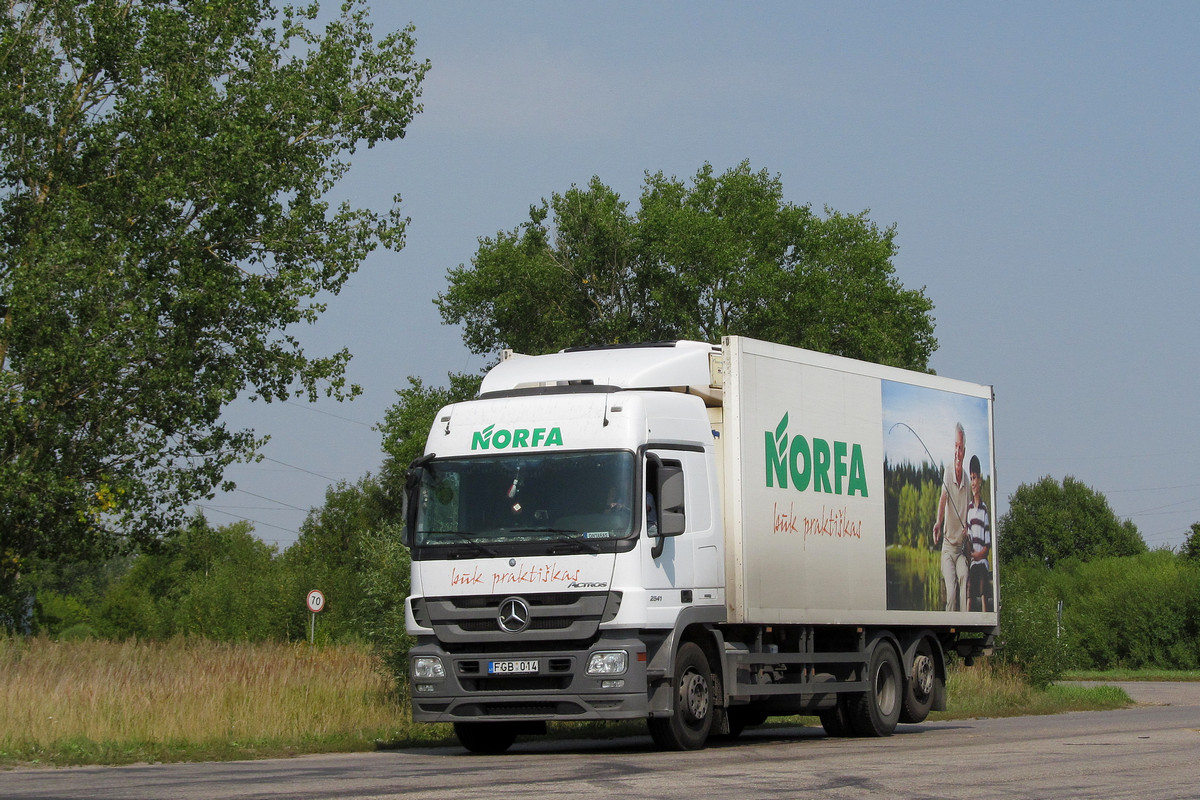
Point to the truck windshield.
(511, 498)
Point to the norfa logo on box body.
(816, 464)
(491, 438)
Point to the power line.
(1058, 458)
(247, 519)
(298, 469)
(1155, 489)
(273, 500)
(330, 414)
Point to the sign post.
(315, 602)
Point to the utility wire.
(298, 469)
(273, 500)
(309, 407)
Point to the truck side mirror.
(664, 507)
(671, 518)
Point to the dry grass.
(99, 702)
(992, 689)
(73, 702)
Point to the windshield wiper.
(562, 536)
(468, 539)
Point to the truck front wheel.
(485, 738)
(876, 711)
(692, 714)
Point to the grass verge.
(99, 702)
(1133, 675)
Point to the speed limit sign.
(316, 601)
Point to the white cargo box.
(833, 473)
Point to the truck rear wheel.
(485, 738)
(918, 687)
(876, 711)
(692, 712)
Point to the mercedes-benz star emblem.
(513, 615)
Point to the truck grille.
(556, 616)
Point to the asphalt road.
(1152, 750)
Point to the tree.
(328, 552)
(723, 255)
(164, 169)
(406, 424)
(1049, 521)
(1191, 547)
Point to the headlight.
(428, 668)
(608, 662)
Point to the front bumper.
(560, 690)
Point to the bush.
(384, 570)
(56, 612)
(1029, 635)
(128, 611)
(1134, 612)
(77, 633)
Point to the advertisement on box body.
(860, 495)
(937, 472)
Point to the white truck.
(701, 536)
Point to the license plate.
(513, 667)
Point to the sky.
(1039, 161)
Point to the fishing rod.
(941, 472)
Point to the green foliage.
(328, 556)
(1029, 634)
(911, 500)
(1191, 546)
(164, 169)
(1123, 606)
(221, 583)
(723, 255)
(1049, 521)
(406, 425)
(233, 589)
(58, 612)
(384, 573)
(1122, 612)
(129, 611)
(1132, 612)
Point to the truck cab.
(564, 526)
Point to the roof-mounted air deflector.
(684, 366)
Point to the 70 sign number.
(316, 601)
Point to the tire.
(919, 686)
(692, 712)
(485, 738)
(836, 720)
(876, 711)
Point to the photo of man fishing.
(935, 512)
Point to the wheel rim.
(693, 696)
(922, 675)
